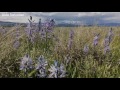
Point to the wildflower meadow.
(44, 50)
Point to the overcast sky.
(79, 17)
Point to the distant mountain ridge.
(2, 23)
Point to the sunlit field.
(59, 52)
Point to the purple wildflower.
(52, 23)
(43, 33)
(86, 49)
(26, 63)
(70, 43)
(41, 66)
(57, 71)
(106, 49)
(31, 30)
(32, 39)
(107, 41)
(110, 35)
(110, 32)
(95, 41)
(42, 63)
(67, 59)
(17, 32)
(3, 30)
(16, 44)
(47, 29)
(62, 71)
(28, 31)
(71, 36)
(39, 25)
(54, 70)
(31, 21)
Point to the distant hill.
(10, 23)
(110, 24)
(103, 24)
(66, 25)
(2, 23)
(7, 23)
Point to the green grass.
(80, 65)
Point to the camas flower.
(46, 28)
(95, 41)
(110, 35)
(39, 25)
(26, 63)
(57, 71)
(70, 43)
(86, 49)
(43, 33)
(106, 41)
(52, 22)
(42, 63)
(31, 30)
(41, 66)
(71, 36)
(106, 49)
(28, 31)
(54, 70)
(16, 44)
(17, 34)
(67, 59)
(3, 30)
(62, 71)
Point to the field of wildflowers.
(45, 51)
